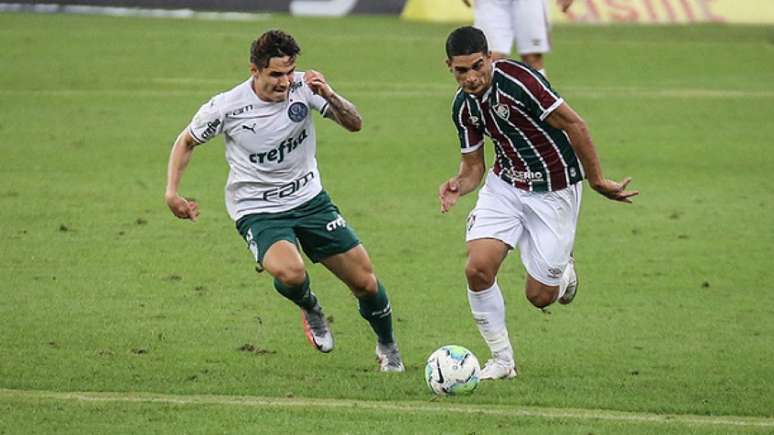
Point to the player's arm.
(472, 168)
(564, 5)
(565, 118)
(339, 109)
(179, 157)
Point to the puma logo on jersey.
(249, 128)
(278, 154)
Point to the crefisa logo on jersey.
(297, 111)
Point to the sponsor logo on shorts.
(339, 222)
(554, 272)
(288, 189)
(297, 111)
(471, 222)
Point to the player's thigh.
(530, 24)
(497, 214)
(485, 257)
(323, 231)
(550, 224)
(260, 232)
(354, 268)
(283, 261)
(494, 18)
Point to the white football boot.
(572, 283)
(389, 358)
(496, 369)
(316, 329)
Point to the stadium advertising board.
(616, 11)
(582, 11)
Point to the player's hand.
(614, 190)
(467, 2)
(316, 82)
(448, 194)
(564, 5)
(182, 207)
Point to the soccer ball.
(452, 370)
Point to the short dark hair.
(274, 43)
(466, 40)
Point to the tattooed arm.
(339, 108)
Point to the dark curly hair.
(466, 40)
(274, 43)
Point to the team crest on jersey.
(502, 111)
(297, 112)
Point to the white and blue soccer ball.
(452, 370)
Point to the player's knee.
(479, 278)
(364, 284)
(291, 275)
(540, 297)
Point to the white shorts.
(541, 224)
(502, 21)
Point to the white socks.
(488, 308)
(567, 277)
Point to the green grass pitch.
(165, 328)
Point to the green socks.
(376, 310)
(300, 295)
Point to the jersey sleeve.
(530, 88)
(315, 101)
(208, 122)
(318, 103)
(470, 133)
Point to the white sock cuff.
(483, 294)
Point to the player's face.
(473, 72)
(272, 83)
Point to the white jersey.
(270, 147)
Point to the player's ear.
(254, 70)
(448, 63)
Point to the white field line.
(392, 90)
(410, 407)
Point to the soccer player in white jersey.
(531, 197)
(274, 193)
(525, 21)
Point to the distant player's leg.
(547, 243)
(284, 263)
(530, 24)
(487, 305)
(354, 268)
(493, 17)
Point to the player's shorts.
(502, 21)
(541, 224)
(317, 226)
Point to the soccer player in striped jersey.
(274, 193)
(532, 194)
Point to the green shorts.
(316, 225)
